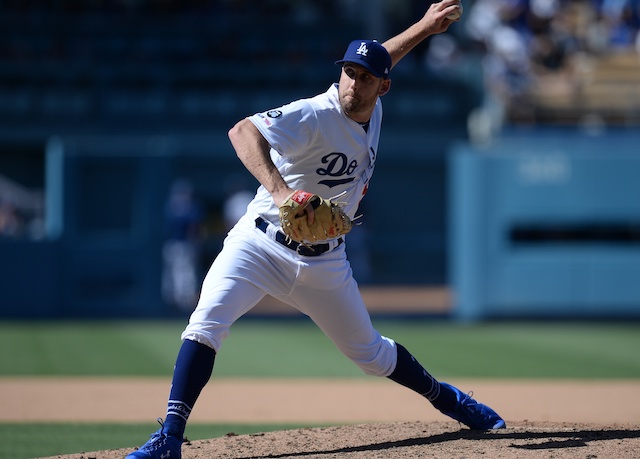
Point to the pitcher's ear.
(384, 88)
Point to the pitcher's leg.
(446, 398)
(344, 318)
(410, 373)
(191, 373)
(235, 283)
(227, 293)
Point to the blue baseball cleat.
(161, 445)
(473, 414)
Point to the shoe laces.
(469, 401)
(471, 405)
(158, 439)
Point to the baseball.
(456, 14)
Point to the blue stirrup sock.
(191, 373)
(411, 374)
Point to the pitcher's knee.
(378, 360)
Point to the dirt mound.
(416, 440)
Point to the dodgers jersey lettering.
(338, 158)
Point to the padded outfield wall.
(543, 224)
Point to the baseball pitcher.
(314, 159)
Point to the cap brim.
(362, 64)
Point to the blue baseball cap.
(371, 55)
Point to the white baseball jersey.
(317, 148)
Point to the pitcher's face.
(359, 90)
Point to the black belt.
(302, 249)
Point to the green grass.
(525, 349)
(290, 349)
(298, 349)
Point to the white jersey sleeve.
(289, 129)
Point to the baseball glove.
(330, 220)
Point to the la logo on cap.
(362, 50)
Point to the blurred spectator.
(541, 45)
(238, 197)
(183, 217)
(620, 19)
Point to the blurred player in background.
(183, 220)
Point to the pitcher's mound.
(520, 440)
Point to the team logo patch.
(274, 113)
